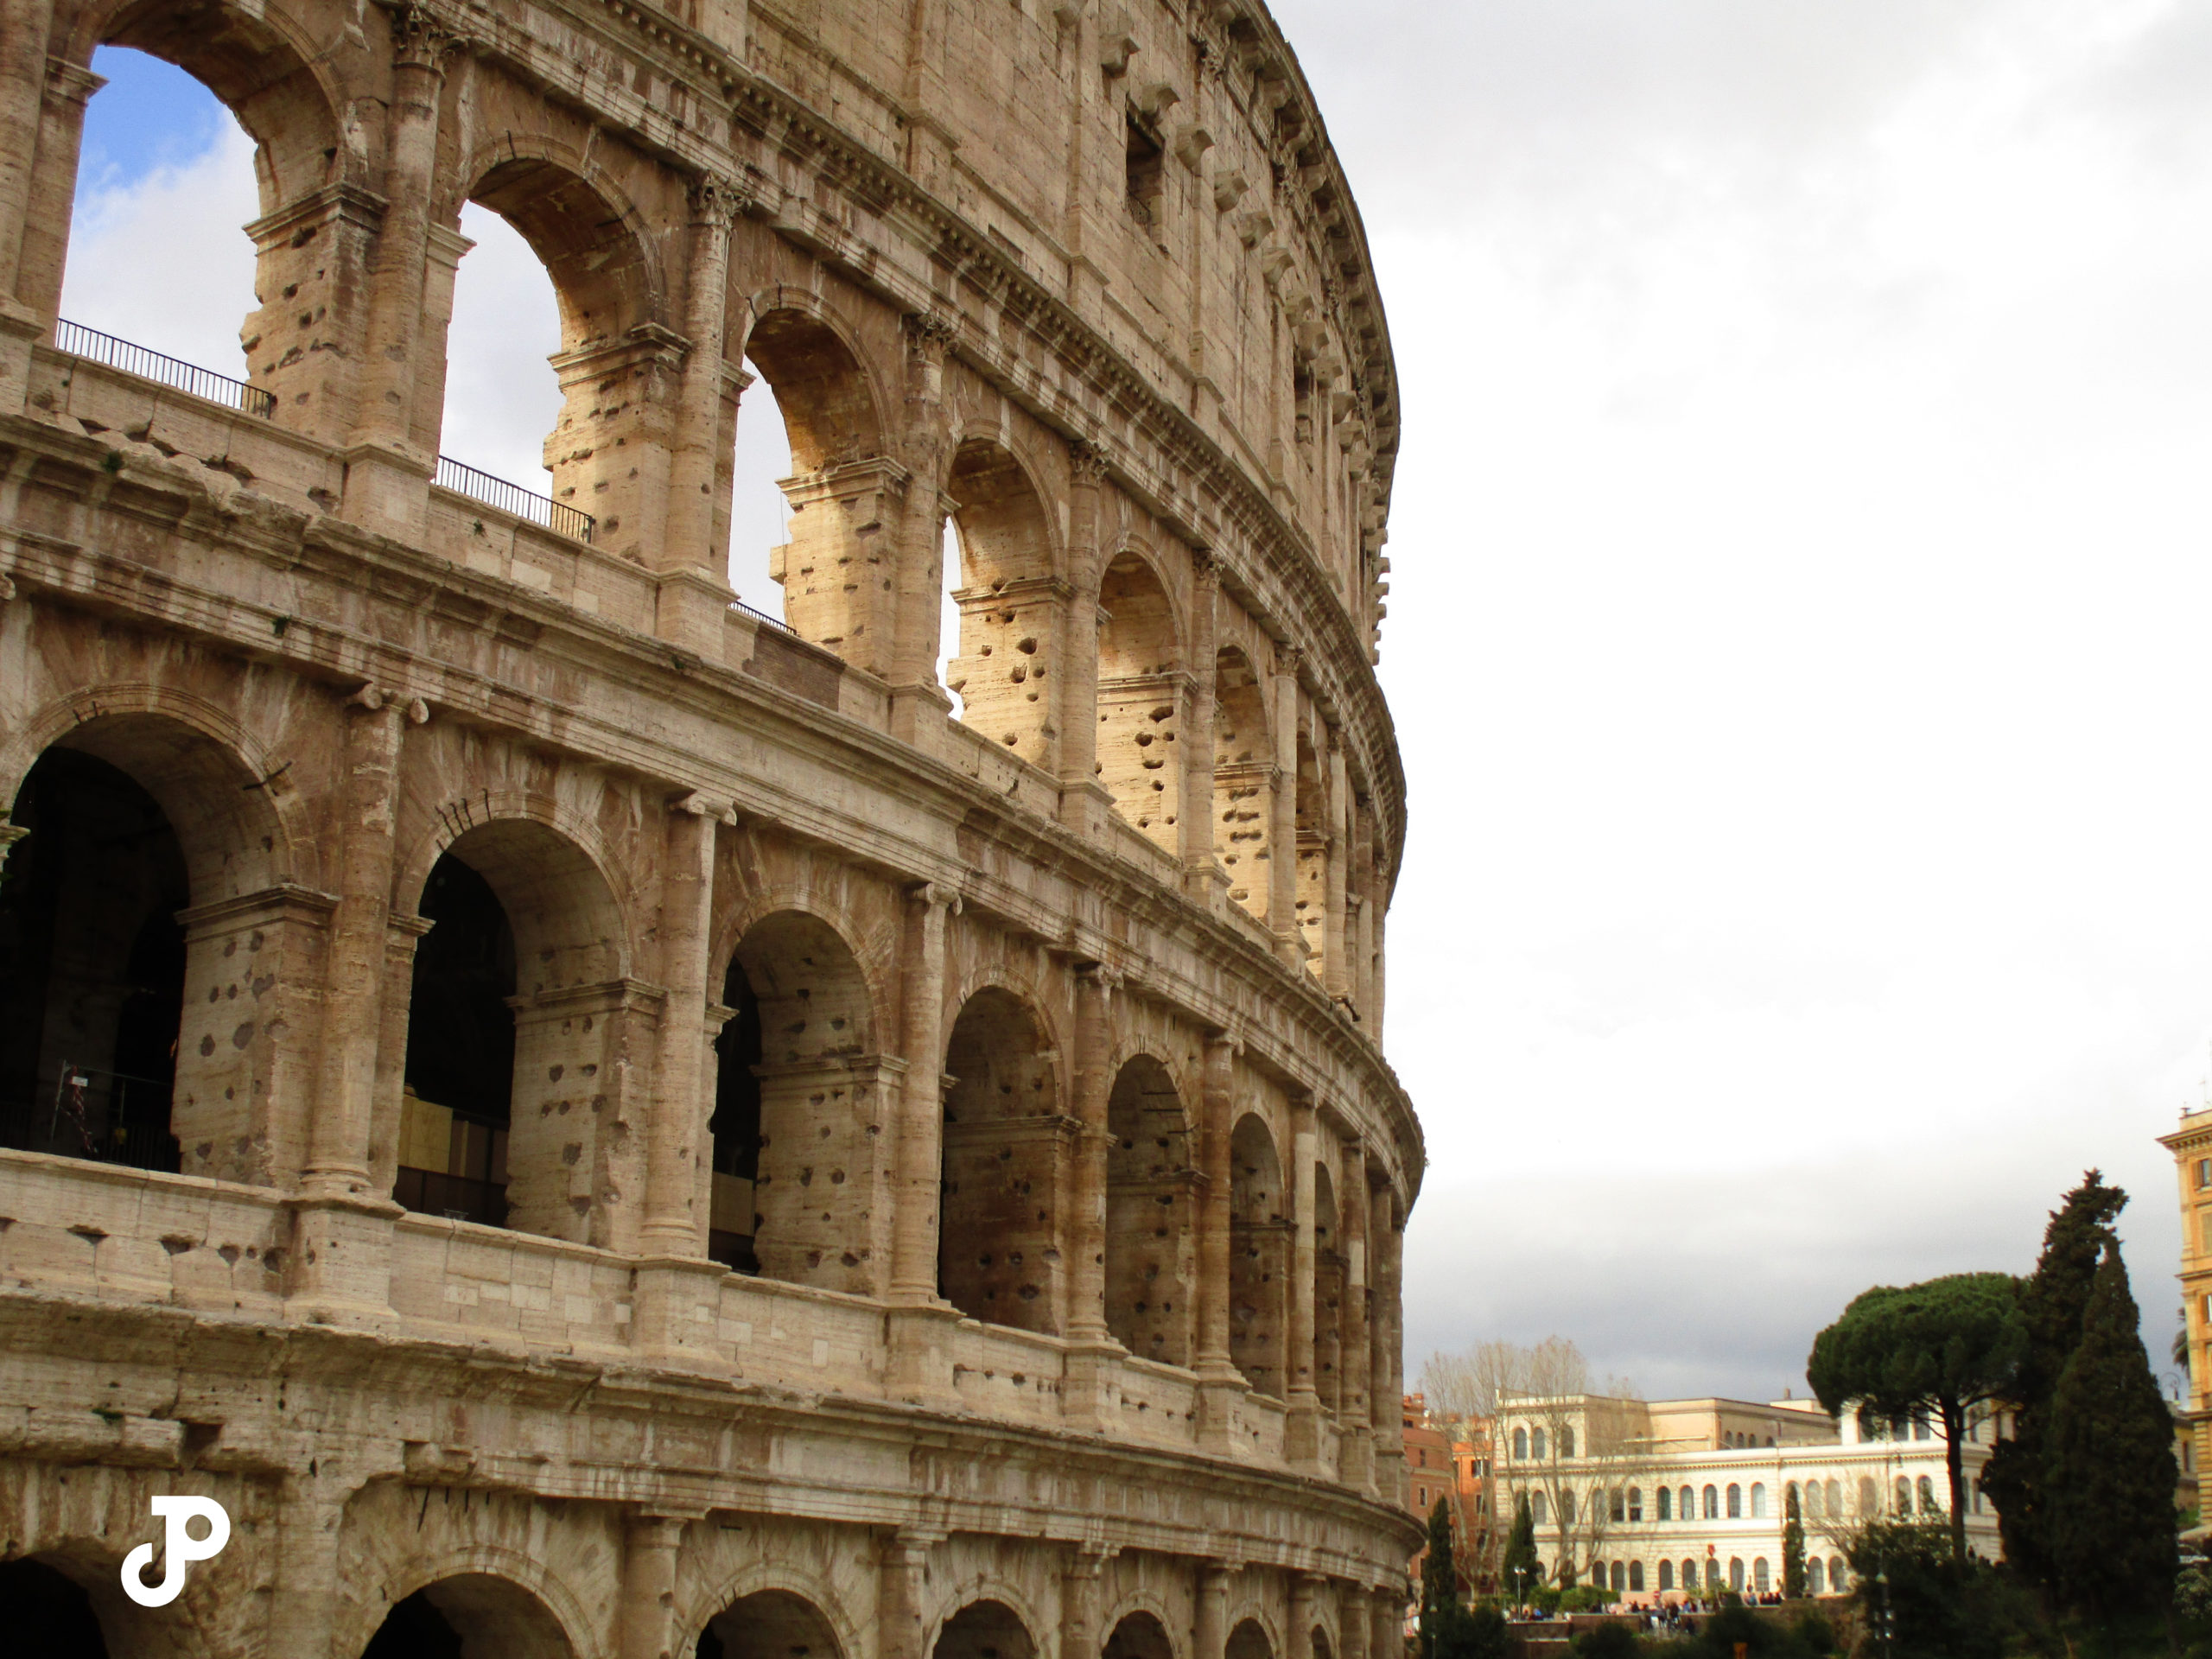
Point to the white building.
(1664, 1498)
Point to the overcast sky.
(1799, 636)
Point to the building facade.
(596, 1122)
(2191, 1145)
(1681, 1497)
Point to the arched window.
(1519, 1446)
(1812, 1506)
(1150, 1256)
(1789, 1492)
(1331, 1269)
(1259, 1246)
(1616, 1505)
(1636, 1577)
(1927, 1490)
(1666, 1574)
(1815, 1577)
(1666, 1502)
(1566, 1507)
(1735, 1502)
(1712, 1572)
(1836, 1585)
(997, 1246)
(1537, 1509)
(1736, 1574)
(1759, 1581)
(1836, 1499)
(1901, 1496)
(1688, 1508)
(1758, 1501)
(1566, 1442)
(1620, 1577)
(1636, 1502)
(1536, 1444)
(1712, 1503)
(1243, 779)
(1869, 1506)
(1141, 692)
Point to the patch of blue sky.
(150, 118)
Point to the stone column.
(1209, 1625)
(1202, 879)
(1352, 1622)
(1084, 801)
(53, 186)
(695, 590)
(1080, 1636)
(1220, 1384)
(1282, 839)
(1093, 1081)
(647, 1610)
(921, 1111)
(1355, 1340)
(675, 1142)
(1363, 913)
(1386, 1615)
(387, 475)
(1386, 1405)
(904, 1560)
(25, 27)
(1336, 978)
(9, 835)
(1305, 1592)
(1301, 1431)
(906, 652)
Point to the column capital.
(930, 335)
(1206, 570)
(715, 201)
(935, 894)
(420, 38)
(1086, 463)
(698, 804)
(1288, 658)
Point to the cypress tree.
(1793, 1546)
(1440, 1577)
(1521, 1554)
(2108, 1526)
(2052, 1300)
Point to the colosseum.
(597, 1122)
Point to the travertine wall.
(1081, 1176)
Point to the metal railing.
(556, 516)
(132, 1133)
(80, 341)
(457, 1197)
(775, 622)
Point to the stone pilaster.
(1282, 839)
(1084, 802)
(1203, 879)
(1301, 1431)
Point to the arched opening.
(984, 1630)
(1323, 1649)
(838, 568)
(47, 1613)
(524, 989)
(759, 515)
(1005, 1140)
(1142, 698)
(148, 959)
(768, 1625)
(1259, 1248)
(1150, 1256)
(1329, 1267)
(211, 119)
(502, 397)
(469, 1616)
(1010, 603)
(1249, 1641)
(1313, 899)
(608, 451)
(733, 1212)
(814, 1099)
(91, 967)
(1243, 779)
(1139, 1636)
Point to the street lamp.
(1888, 1622)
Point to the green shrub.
(1611, 1640)
(1813, 1634)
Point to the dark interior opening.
(413, 1630)
(91, 967)
(460, 1052)
(1144, 170)
(46, 1614)
(735, 1126)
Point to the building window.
(1142, 168)
(1566, 1442)
(1536, 1444)
(1815, 1576)
(1521, 1445)
(1567, 1509)
(1711, 1504)
(1759, 1575)
(1758, 1501)
(1636, 1502)
(1735, 1503)
(1927, 1497)
(1688, 1511)
(1666, 1502)
(1812, 1505)
(1736, 1574)
(1836, 1499)
(1869, 1506)
(1901, 1497)
(1617, 1506)
(1636, 1577)
(1620, 1577)
(2204, 1172)
(1666, 1575)
(1712, 1572)
(1835, 1575)
(1536, 1508)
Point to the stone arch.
(1312, 893)
(769, 1624)
(787, 1584)
(1006, 1138)
(1012, 598)
(1143, 695)
(801, 1170)
(1243, 779)
(498, 1603)
(532, 963)
(1259, 1255)
(1151, 1195)
(1251, 1636)
(1142, 1634)
(1324, 1644)
(1331, 1267)
(839, 571)
(156, 961)
(48, 1596)
(987, 1627)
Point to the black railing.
(777, 622)
(457, 1197)
(64, 1126)
(556, 516)
(80, 341)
